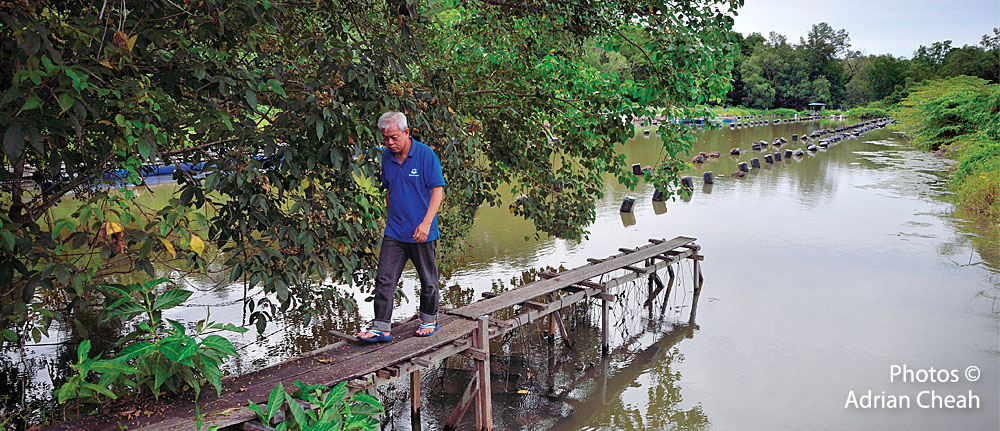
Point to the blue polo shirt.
(409, 184)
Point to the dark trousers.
(391, 260)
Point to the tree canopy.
(822, 67)
(268, 108)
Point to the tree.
(267, 109)
(857, 91)
(971, 61)
(821, 90)
(823, 50)
(886, 75)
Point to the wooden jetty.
(466, 331)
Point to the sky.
(894, 27)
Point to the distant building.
(816, 106)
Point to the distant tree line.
(773, 73)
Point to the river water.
(822, 274)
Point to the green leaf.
(221, 344)
(189, 350)
(82, 351)
(100, 389)
(298, 414)
(112, 367)
(171, 298)
(366, 404)
(68, 389)
(251, 99)
(32, 102)
(229, 327)
(161, 370)
(10, 335)
(213, 374)
(126, 310)
(178, 327)
(336, 395)
(261, 416)
(135, 350)
(274, 401)
(13, 141)
(65, 101)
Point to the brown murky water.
(821, 273)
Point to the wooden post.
(697, 276)
(649, 293)
(484, 408)
(694, 307)
(415, 393)
(552, 322)
(604, 380)
(604, 323)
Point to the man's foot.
(426, 329)
(374, 336)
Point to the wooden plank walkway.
(568, 278)
(466, 330)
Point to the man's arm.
(437, 194)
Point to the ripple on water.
(923, 170)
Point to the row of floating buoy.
(743, 168)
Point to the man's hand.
(420, 235)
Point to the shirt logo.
(413, 173)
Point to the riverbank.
(960, 118)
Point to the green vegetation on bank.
(960, 116)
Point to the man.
(411, 176)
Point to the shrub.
(938, 112)
(165, 354)
(334, 410)
(158, 353)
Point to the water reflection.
(628, 219)
(659, 208)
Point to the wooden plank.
(635, 269)
(573, 276)
(557, 316)
(422, 362)
(533, 304)
(659, 287)
(471, 391)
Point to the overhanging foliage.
(277, 100)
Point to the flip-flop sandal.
(433, 326)
(378, 338)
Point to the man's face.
(396, 140)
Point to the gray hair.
(390, 118)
